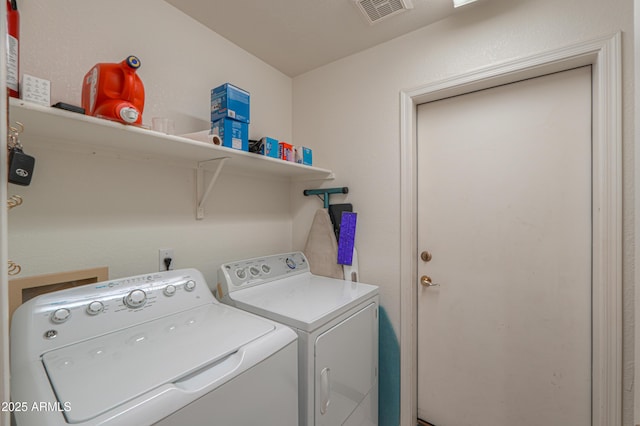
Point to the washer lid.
(100, 374)
(304, 301)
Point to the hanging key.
(21, 165)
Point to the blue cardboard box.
(234, 134)
(269, 147)
(304, 155)
(229, 101)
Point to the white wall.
(349, 112)
(84, 210)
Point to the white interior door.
(504, 208)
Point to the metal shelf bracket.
(202, 193)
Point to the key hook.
(15, 130)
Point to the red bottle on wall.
(13, 48)
(114, 91)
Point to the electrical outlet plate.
(162, 255)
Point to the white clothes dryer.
(337, 326)
(150, 349)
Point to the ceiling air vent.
(377, 10)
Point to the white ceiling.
(296, 36)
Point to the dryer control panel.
(247, 273)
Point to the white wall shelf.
(62, 129)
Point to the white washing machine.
(149, 349)
(337, 326)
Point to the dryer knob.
(60, 315)
(169, 290)
(291, 263)
(135, 298)
(190, 285)
(241, 273)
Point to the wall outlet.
(165, 254)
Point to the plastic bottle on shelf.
(114, 91)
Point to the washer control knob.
(169, 290)
(266, 268)
(254, 271)
(190, 285)
(60, 315)
(136, 298)
(241, 273)
(95, 307)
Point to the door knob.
(426, 256)
(426, 281)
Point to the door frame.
(4, 227)
(604, 55)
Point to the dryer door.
(346, 367)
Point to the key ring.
(14, 142)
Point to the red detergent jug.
(114, 91)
